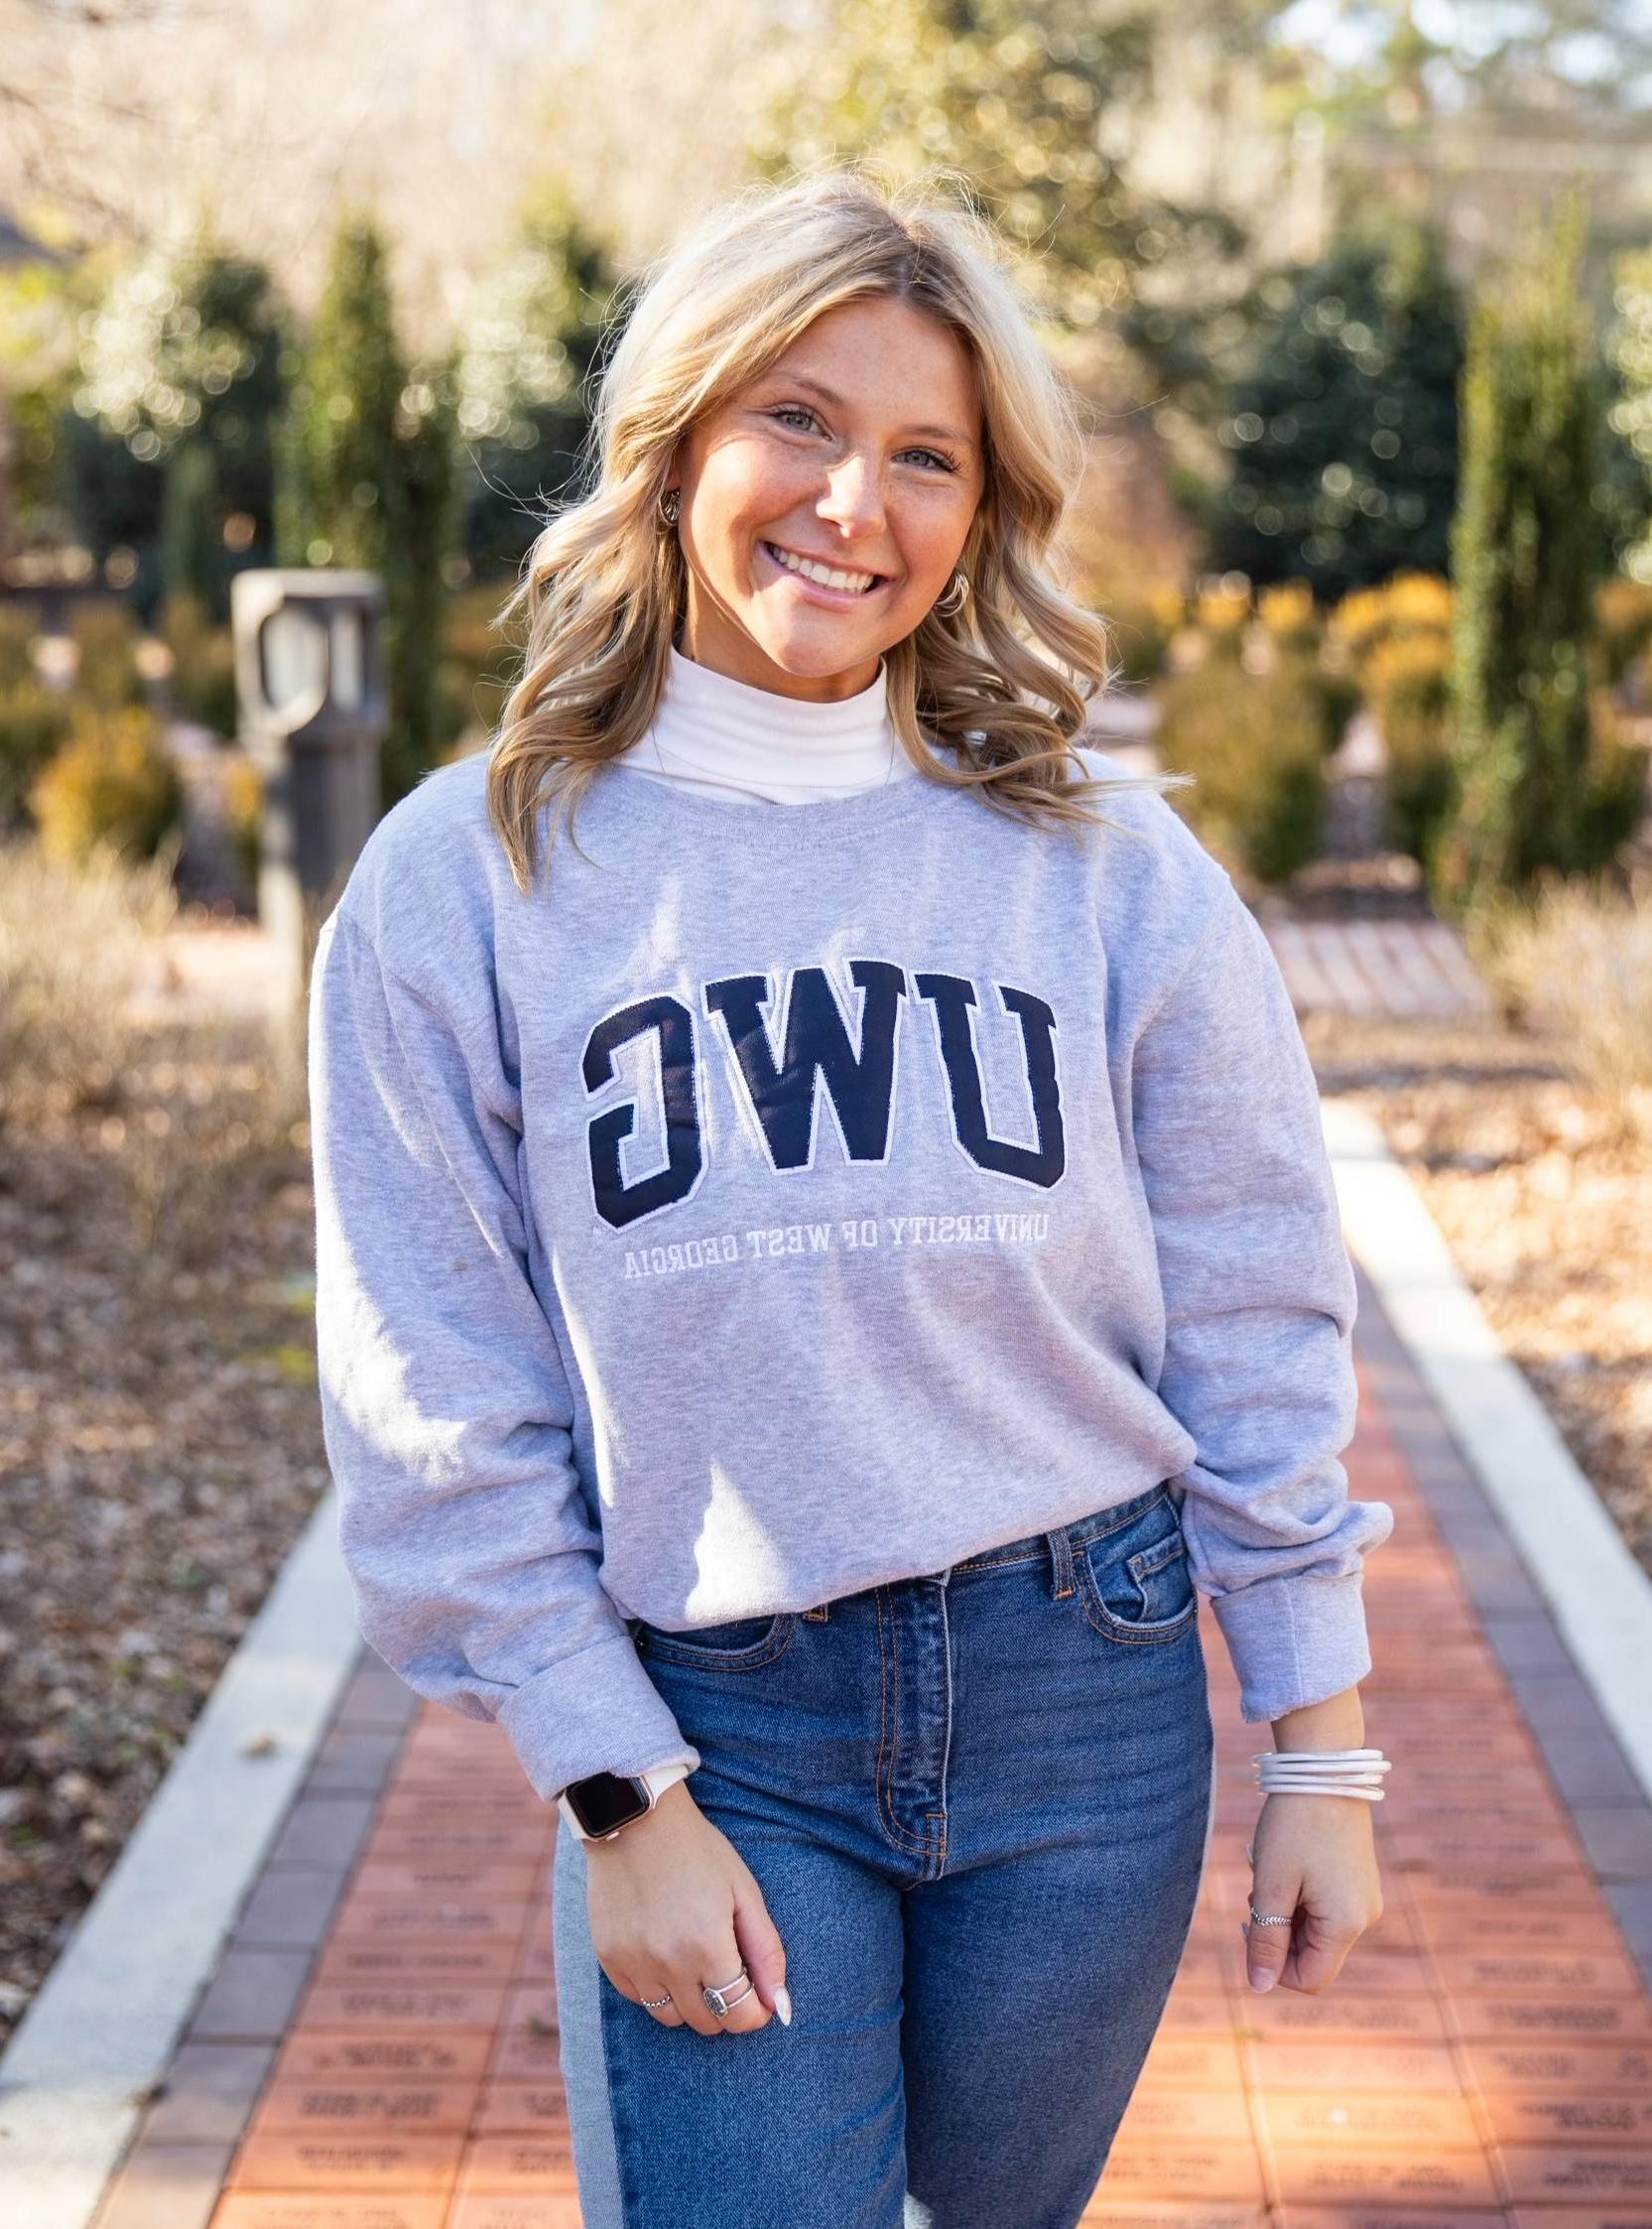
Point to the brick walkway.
(378, 2047)
(1399, 970)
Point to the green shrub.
(1396, 638)
(1255, 745)
(1137, 637)
(1616, 784)
(203, 663)
(34, 723)
(1221, 616)
(1407, 686)
(1622, 624)
(471, 634)
(1290, 618)
(106, 673)
(17, 647)
(112, 783)
(481, 662)
(243, 801)
(453, 711)
(1337, 695)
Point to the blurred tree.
(428, 461)
(182, 354)
(192, 552)
(46, 90)
(1526, 549)
(532, 331)
(338, 495)
(1629, 413)
(1402, 63)
(1340, 415)
(1026, 97)
(367, 479)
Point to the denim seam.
(628, 2206)
(910, 1845)
(1062, 1576)
(755, 1659)
(1142, 1637)
(1145, 1561)
(989, 1560)
(1102, 1619)
(939, 1811)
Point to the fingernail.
(783, 2005)
(1260, 1978)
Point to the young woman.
(825, 1243)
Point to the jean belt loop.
(1060, 1563)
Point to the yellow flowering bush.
(112, 783)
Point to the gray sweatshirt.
(784, 1201)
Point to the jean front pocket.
(1137, 1584)
(738, 1644)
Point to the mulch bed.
(160, 1452)
(1544, 1205)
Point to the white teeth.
(822, 573)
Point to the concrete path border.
(103, 2027)
(1577, 1559)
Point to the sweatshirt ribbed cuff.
(595, 1711)
(1294, 1641)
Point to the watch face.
(605, 1801)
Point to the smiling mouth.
(841, 580)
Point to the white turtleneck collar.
(729, 739)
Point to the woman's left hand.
(1314, 1857)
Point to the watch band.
(653, 1782)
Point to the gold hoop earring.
(669, 505)
(955, 596)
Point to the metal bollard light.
(309, 676)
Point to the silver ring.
(655, 2002)
(1270, 1919)
(722, 2003)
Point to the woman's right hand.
(673, 1905)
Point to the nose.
(854, 496)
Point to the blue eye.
(802, 410)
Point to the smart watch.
(596, 1808)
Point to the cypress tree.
(192, 540)
(367, 482)
(1525, 547)
(427, 428)
(339, 496)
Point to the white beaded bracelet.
(1321, 1771)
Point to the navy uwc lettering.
(782, 1093)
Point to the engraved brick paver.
(379, 2049)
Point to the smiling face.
(858, 453)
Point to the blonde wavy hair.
(1005, 681)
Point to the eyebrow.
(828, 395)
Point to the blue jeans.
(979, 1806)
